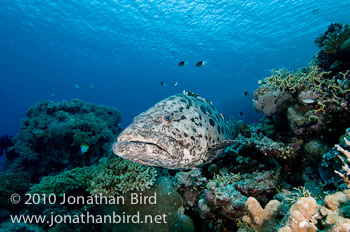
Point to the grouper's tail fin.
(234, 126)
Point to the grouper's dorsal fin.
(191, 94)
(221, 144)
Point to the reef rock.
(269, 100)
(166, 211)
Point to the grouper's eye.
(166, 119)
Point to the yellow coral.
(226, 179)
(314, 79)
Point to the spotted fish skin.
(180, 132)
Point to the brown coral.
(261, 219)
(301, 214)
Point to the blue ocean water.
(118, 52)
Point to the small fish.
(246, 93)
(240, 114)
(180, 132)
(175, 84)
(308, 100)
(84, 148)
(182, 63)
(92, 86)
(200, 64)
(222, 116)
(162, 83)
(77, 86)
(315, 10)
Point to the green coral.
(121, 176)
(109, 178)
(11, 183)
(66, 181)
(226, 178)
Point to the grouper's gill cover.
(179, 132)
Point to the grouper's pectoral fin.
(221, 144)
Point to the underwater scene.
(198, 115)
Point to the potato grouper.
(180, 132)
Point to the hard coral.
(346, 170)
(221, 202)
(334, 219)
(111, 178)
(262, 220)
(120, 176)
(52, 134)
(300, 215)
(66, 181)
(11, 183)
(334, 47)
(269, 100)
(190, 184)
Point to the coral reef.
(66, 182)
(221, 205)
(120, 176)
(261, 219)
(330, 168)
(334, 211)
(19, 227)
(300, 216)
(190, 184)
(334, 48)
(269, 100)
(304, 215)
(5, 142)
(168, 202)
(345, 168)
(12, 183)
(50, 137)
(252, 187)
(109, 178)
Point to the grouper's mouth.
(148, 143)
(146, 153)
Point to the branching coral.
(66, 181)
(114, 177)
(262, 219)
(120, 176)
(226, 178)
(321, 87)
(283, 79)
(345, 166)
